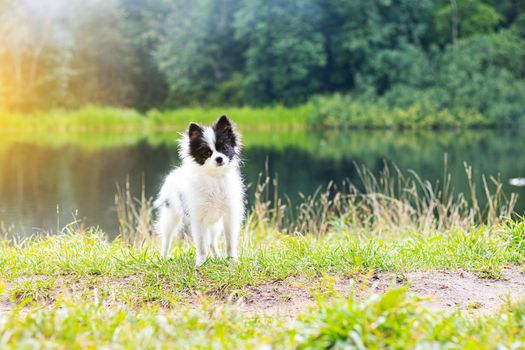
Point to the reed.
(135, 215)
(391, 202)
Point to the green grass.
(78, 290)
(92, 141)
(107, 119)
(248, 118)
(275, 257)
(80, 120)
(327, 112)
(394, 320)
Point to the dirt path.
(465, 290)
(447, 290)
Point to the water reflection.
(81, 176)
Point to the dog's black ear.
(194, 131)
(223, 124)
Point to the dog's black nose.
(218, 160)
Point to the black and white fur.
(205, 193)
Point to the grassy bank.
(328, 112)
(91, 260)
(338, 144)
(77, 290)
(91, 119)
(392, 321)
(345, 111)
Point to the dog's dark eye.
(207, 153)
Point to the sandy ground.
(445, 290)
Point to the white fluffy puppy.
(206, 192)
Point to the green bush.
(479, 81)
(344, 111)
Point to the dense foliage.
(457, 56)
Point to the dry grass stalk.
(389, 201)
(392, 201)
(135, 215)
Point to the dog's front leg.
(200, 238)
(232, 227)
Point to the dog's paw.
(233, 259)
(200, 260)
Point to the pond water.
(78, 173)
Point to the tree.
(143, 27)
(64, 53)
(102, 58)
(284, 49)
(378, 43)
(197, 51)
(34, 63)
(461, 19)
(485, 73)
